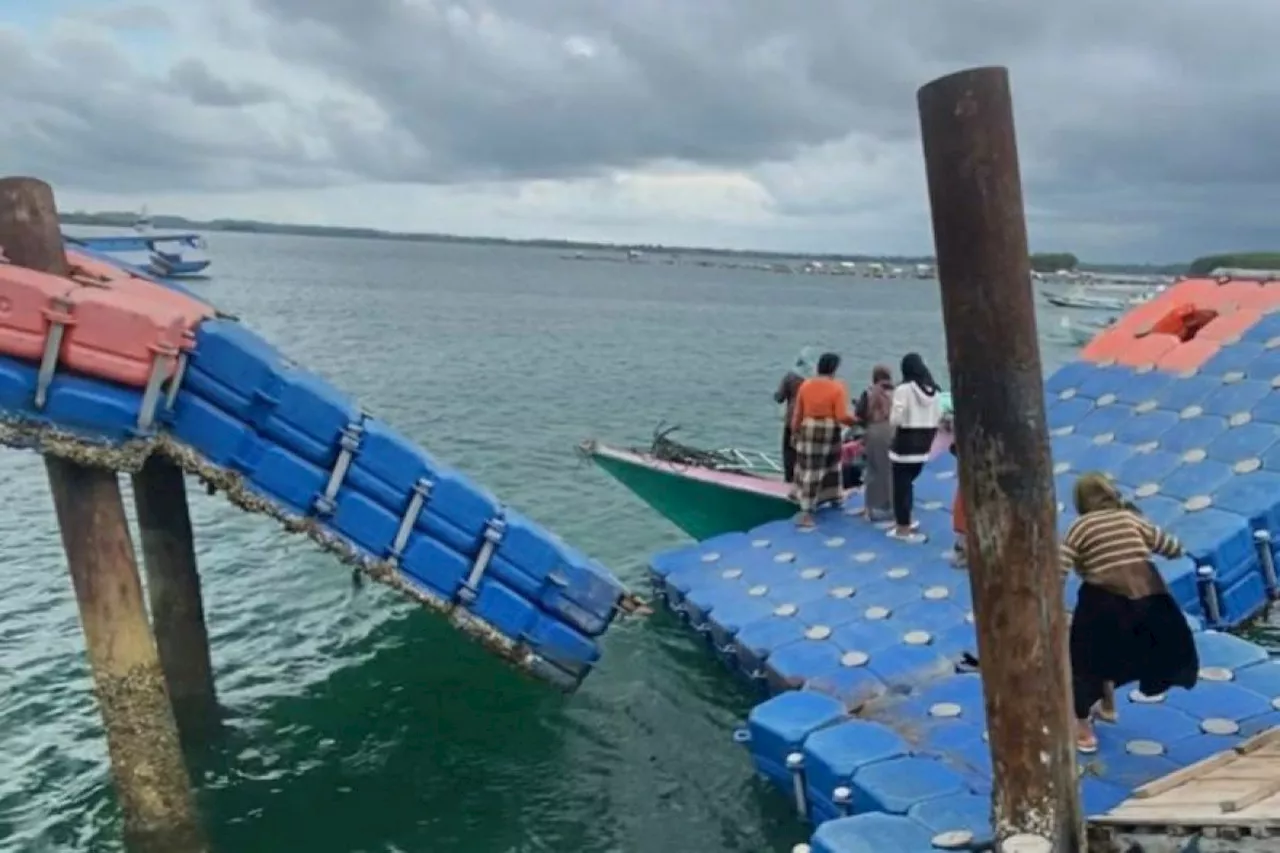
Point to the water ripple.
(357, 722)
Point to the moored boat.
(707, 493)
(703, 500)
(1088, 299)
(167, 254)
(1080, 331)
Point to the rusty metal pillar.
(173, 589)
(151, 782)
(1006, 474)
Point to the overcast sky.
(1148, 129)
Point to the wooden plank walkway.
(1227, 802)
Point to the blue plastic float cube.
(961, 814)
(896, 785)
(872, 833)
(777, 728)
(1145, 427)
(242, 374)
(834, 754)
(87, 407)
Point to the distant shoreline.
(114, 219)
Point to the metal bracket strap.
(348, 444)
(151, 394)
(421, 494)
(1262, 541)
(59, 316)
(1207, 578)
(175, 382)
(493, 534)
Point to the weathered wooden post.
(173, 589)
(1006, 474)
(142, 739)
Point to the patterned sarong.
(818, 448)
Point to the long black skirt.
(1125, 640)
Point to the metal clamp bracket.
(165, 358)
(421, 494)
(175, 381)
(493, 533)
(1262, 541)
(59, 316)
(1207, 579)
(348, 444)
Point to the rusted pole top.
(27, 219)
(1006, 474)
(151, 781)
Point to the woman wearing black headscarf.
(916, 412)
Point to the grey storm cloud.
(1147, 110)
(1151, 90)
(81, 116)
(192, 79)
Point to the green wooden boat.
(702, 501)
(726, 491)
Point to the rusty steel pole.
(1006, 474)
(173, 590)
(151, 781)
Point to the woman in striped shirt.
(1126, 626)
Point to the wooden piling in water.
(173, 590)
(1006, 474)
(151, 782)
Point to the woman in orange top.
(821, 411)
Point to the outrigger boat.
(1080, 331)
(706, 493)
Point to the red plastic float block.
(1182, 328)
(1228, 328)
(124, 337)
(93, 272)
(1187, 358)
(1145, 351)
(1263, 297)
(30, 302)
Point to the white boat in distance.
(1084, 299)
(1081, 331)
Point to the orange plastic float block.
(125, 337)
(1112, 344)
(1260, 296)
(1229, 328)
(29, 304)
(1133, 351)
(1142, 318)
(87, 270)
(1189, 357)
(93, 272)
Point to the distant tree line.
(1238, 260)
(1045, 262)
(1053, 261)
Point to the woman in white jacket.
(916, 412)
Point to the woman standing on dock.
(1126, 625)
(916, 412)
(821, 410)
(873, 410)
(799, 371)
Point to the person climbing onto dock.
(872, 411)
(821, 409)
(915, 415)
(800, 370)
(1126, 625)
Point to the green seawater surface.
(358, 722)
